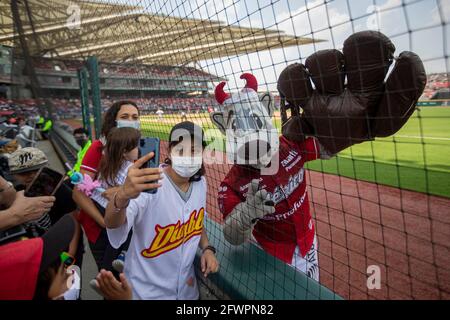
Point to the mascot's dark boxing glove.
(340, 114)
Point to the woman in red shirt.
(120, 114)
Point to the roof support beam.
(60, 26)
(204, 46)
(128, 41)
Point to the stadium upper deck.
(58, 77)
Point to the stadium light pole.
(84, 98)
(92, 64)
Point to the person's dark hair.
(109, 120)
(80, 131)
(200, 172)
(118, 142)
(44, 281)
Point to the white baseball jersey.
(166, 234)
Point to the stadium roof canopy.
(122, 33)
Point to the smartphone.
(147, 145)
(45, 183)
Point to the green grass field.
(416, 158)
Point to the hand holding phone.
(31, 208)
(45, 183)
(140, 178)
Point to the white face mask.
(186, 167)
(128, 124)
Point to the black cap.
(186, 128)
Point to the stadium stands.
(436, 82)
(71, 108)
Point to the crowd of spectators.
(436, 83)
(71, 108)
(62, 108)
(170, 104)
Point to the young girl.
(120, 114)
(121, 150)
(167, 225)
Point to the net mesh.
(381, 205)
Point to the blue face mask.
(129, 124)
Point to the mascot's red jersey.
(291, 224)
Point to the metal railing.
(64, 144)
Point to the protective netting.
(380, 207)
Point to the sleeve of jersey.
(91, 159)
(119, 235)
(227, 198)
(310, 149)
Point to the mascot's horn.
(252, 83)
(221, 95)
